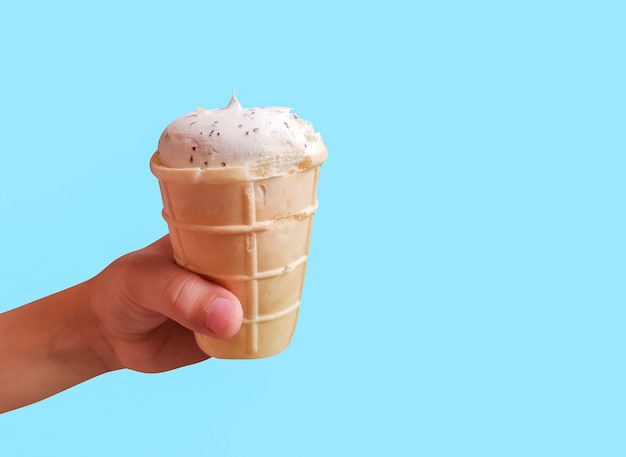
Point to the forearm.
(48, 346)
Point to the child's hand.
(139, 313)
(148, 308)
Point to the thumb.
(191, 300)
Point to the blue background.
(465, 292)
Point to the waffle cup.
(248, 232)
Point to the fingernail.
(219, 315)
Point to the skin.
(139, 313)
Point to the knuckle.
(179, 294)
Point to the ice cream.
(239, 193)
(270, 137)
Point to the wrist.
(92, 330)
(50, 345)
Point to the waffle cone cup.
(248, 232)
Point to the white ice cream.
(234, 136)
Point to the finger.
(162, 245)
(200, 305)
(183, 296)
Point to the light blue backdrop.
(465, 293)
